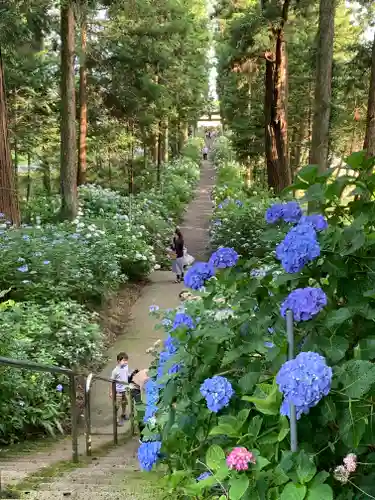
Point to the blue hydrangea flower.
(224, 257)
(163, 358)
(239, 203)
(152, 397)
(299, 247)
(166, 322)
(292, 212)
(59, 388)
(26, 237)
(288, 212)
(153, 308)
(317, 221)
(171, 345)
(217, 391)
(305, 303)
(274, 213)
(148, 454)
(182, 319)
(23, 269)
(46, 262)
(2, 215)
(269, 345)
(304, 381)
(217, 222)
(204, 475)
(198, 274)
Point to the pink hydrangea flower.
(350, 462)
(239, 458)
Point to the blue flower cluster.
(224, 204)
(299, 247)
(239, 203)
(305, 303)
(224, 257)
(148, 454)
(198, 274)
(204, 475)
(317, 221)
(288, 212)
(171, 344)
(152, 396)
(304, 381)
(182, 319)
(217, 391)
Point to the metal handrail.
(89, 378)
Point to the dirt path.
(138, 335)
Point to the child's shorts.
(121, 398)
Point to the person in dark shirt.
(178, 248)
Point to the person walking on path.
(205, 153)
(179, 261)
(121, 374)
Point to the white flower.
(157, 267)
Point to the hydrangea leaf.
(336, 318)
(320, 492)
(269, 405)
(334, 347)
(214, 457)
(306, 468)
(293, 492)
(224, 429)
(238, 487)
(255, 426)
(366, 348)
(357, 377)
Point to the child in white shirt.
(121, 373)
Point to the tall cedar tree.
(369, 142)
(8, 192)
(82, 143)
(323, 85)
(68, 166)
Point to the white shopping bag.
(188, 259)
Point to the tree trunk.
(166, 142)
(82, 147)
(159, 154)
(8, 193)
(369, 143)
(28, 187)
(323, 84)
(46, 177)
(68, 167)
(276, 101)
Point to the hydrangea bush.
(222, 418)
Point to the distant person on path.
(205, 151)
(179, 261)
(121, 374)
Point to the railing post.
(114, 410)
(131, 406)
(88, 415)
(74, 417)
(292, 408)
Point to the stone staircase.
(108, 475)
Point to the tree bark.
(82, 147)
(8, 193)
(28, 187)
(369, 142)
(68, 166)
(323, 85)
(275, 107)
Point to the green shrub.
(62, 333)
(239, 334)
(193, 149)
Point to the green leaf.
(268, 406)
(319, 478)
(284, 429)
(255, 426)
(214, 457)
(293, 492)
(224, 429)
(238, 487)
(261, 463)
(335, 318)
(357, 377)
(315, 193)
(320, 492)
(367, 348)
(308, 173)
(356, 243)
(242, 417)
(306, 468)
(334, 347)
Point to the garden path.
(102, 477)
